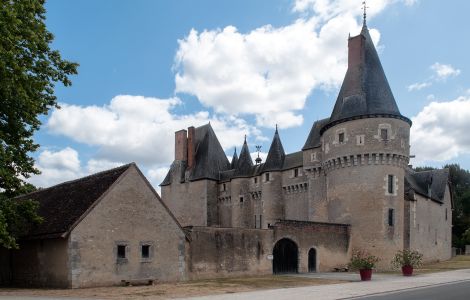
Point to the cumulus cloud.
(440, 130)
(156, 176)
(418, 86)
(56, 167)
(443, 71)
(140, 129)
(269, 72)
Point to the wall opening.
(312, 260)
(286, 257)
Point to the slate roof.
(64, 204)
(210, 158)
(234, 162)
(314, 137)
(365, 91)
(419, 182)
(275, 159)
(293, 160)
(245, 163)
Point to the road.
(452, 291)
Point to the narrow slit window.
(241, 199)
(266, 176)
(341, 137)
(224, 187)
(145, 251)
(390, 184)
(390, 217)
(296, 172)
(121, 251)
(255, 180)
(384, 134)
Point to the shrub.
(407, 258)
(361, 260)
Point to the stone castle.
(353, 169)
(349, 187)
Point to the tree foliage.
(29, 70)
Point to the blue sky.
(149, 68)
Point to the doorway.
(286, 257)
(312, 260)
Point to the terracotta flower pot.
(366, 274)
(407, 270)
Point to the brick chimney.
(356, 50)
(191, 146)
(181, 145)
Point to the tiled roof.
(275, 159)
(62, 205)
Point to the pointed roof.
(275, 159)
(62, 205)
(314, 137)
(234, 162)
(245, 163)
(210, 158)
(365, 91)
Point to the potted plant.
(407, 260)
(364, 262)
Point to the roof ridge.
(77, 179)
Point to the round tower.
(365, 147)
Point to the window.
(121, 251)
(446, 213)
(341, 137)
(224, 187)
(241, 199)
(391, 184)
(266, 177)
(360, 140)
(255, 180)
(145, 251)
(258, 219)
(296, 172)
(384, 134)
(313, 156)
(390, 217)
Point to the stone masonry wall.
(131, 215)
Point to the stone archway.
(285, 257)
(312, 260)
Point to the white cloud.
(443, 71)
(139, 129)
(156, 176)
(56, 167)
(440, 130)
(269, 72)
(97, 165)
(418, 86)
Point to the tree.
(29, 70)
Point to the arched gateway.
(312, 260)
(286, 257)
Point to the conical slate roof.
(245, 163)
(276, 155)
(234, 162)
(210, 157)
(365, 91)
(314, 137)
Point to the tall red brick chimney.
(356, 50)
(191, 146)
(181, 145)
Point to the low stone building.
(99, 230)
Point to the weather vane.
(258, 159)
(364, 7)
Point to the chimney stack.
(191, 146)
(181, 145)
(356, 50)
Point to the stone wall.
(430, 226)
(41, 263)
(130, 215)
(219, 252)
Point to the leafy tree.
(29, 70)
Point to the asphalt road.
(452, 291)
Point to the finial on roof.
(364, 7)
(276, 128)
(245, 139)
